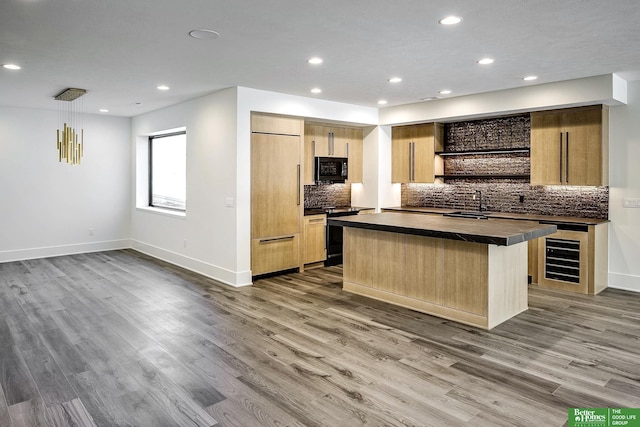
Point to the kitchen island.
(473, 271)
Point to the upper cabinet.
(332, 141)
(413, 152)
(570, 146)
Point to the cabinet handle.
(409, 158)
(347, 148)
(413, 161)
(566, 159)
(560, 168)
(298, 202)
(331, 136)
(276, 239)
(317, 220)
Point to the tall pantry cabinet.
(276, 192)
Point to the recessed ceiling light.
(104, 110)
(529, 78)
(395, 80)
(485, 61)
(315, 60)
(163, 87)
(12, 66)
(450, 20)
(316, 90)
(445, 92)
(382, 102)
(204, 34)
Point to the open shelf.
(484, 176)
(484, 151)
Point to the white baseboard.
(624, 281)
(228, 277)
(51, 251)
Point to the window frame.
(150, 167)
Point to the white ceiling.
(120, 50)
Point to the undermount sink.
(468, 214)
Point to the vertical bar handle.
(566, 159)
(413, 161)
(560, 169)
(409, 158)
(298, 201)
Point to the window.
(168, 171)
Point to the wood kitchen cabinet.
(413, 152)
(570, 146)
(330, 141)
(354, 148)
(276, 194)
(333, 141)
(314, 238)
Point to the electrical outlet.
(229, 202)
(631, 202)
(92, 231)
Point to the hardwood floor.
(120, 339)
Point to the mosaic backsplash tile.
(323, 195)
(504, 196)
(501, 133)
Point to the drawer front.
(275, 254)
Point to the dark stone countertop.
(337, 209)
(494, 231)
(506, 215)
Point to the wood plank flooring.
(120, 339)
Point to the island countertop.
(502, 232)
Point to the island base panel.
(472, 283)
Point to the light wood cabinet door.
(584, 162)
(547, 143)
(309, 153)
(318, 135)
(354, 152)
(423, 157)
(283, 125)
(337, 141)
(413, 153)
(275, 254)
(314, 236)
(570, 146)
(400, 158)
(275, 185)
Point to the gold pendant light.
(70, 147)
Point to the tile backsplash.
(504, 196)
(323, 195)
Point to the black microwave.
(331, 169)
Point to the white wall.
(624, 181)
(47, 207)
(205, 239)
